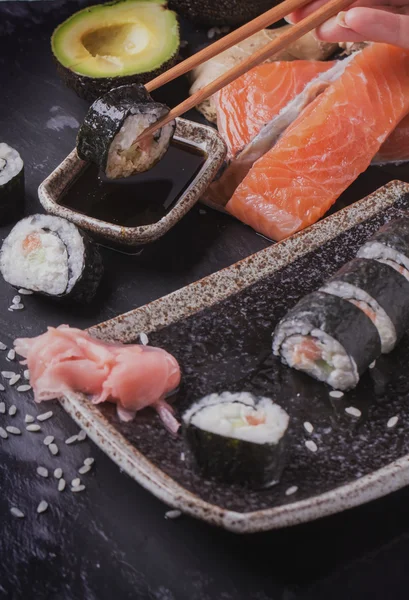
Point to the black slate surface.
(112, 540)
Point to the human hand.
(364, 21)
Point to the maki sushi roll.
(237, 438)
(11, 184)
(113, 124)
(380, 292)
(329, 338)
(51, 256)
(390, 245)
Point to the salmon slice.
(396, 147)
(325, 149)
(251, 101)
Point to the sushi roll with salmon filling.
(237, 438)
(390, 245)
(11, 184)
(328, 338)
(49, 255)
(380, 292)
(112, 125)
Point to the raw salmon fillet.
(396, 147)
(327, 146)
(251, 101)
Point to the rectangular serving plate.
(204, 138)
(190, 304)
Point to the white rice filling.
(126, 158)
(380, 251)
(239, 416)
(10, 163)
(44, 254)
(380, 319)
(335, 366)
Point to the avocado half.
(221, 12)
(113, 44)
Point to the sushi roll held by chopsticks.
(237, 438)
(11, 184)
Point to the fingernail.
(340, 20)
(327, 28)
(289, 19)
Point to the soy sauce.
(139, 200)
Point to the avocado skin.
(91, 88)
(221, 12)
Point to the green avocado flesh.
(118, 39)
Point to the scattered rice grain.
(291, 490)
(336, 394)
(53, 448)
(372, 365)
(144, 339)
(29, 419)
(12, 410)
(16, 512)
(354, 412)
(3, 346)
(8, 374)
(45, 416)
(71, 439)
(42, 507)
(61, 485)
(2, 388)
(42, 471)
(173, 514)
(84, 469)
(182, 456)
(24, 292)
(76, 482)
(16, 300)
(26, 374)
(2, 408)
(33, 427)
(89, 461)
(17, 306)
(23, 388)
(58, 473)
(310, 445)
(11, 354)
(78, 488)
(309, 428)
(3, 433)
(48, 440)
(81, 436)
(14, 380)
(13, 430)
(392, 422)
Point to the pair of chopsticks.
(328, 10)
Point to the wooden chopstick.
(326, 11)
(268, 18)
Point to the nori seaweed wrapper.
(341, 320)
(105, 118)
(395, 235)
(384, 284)
(235, 461)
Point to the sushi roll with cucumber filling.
(11, 184)
(113, 124)
(328, 338)
(49, 255)
(237, 438)
(380, 292)
(390, 245)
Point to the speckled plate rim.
(200, 295)
(200, 136)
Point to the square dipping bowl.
(197, 139)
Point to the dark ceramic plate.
(220, 331)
